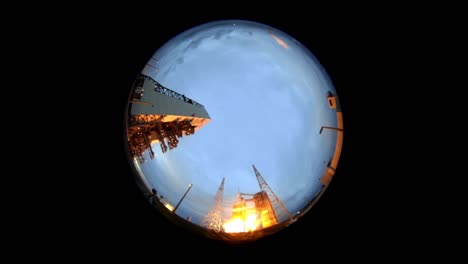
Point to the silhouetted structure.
(181, 199)
(333, 103)
(159, 114)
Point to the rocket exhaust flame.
(237, 225)
(250, 214)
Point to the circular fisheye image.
(233, 130)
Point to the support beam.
(332, 128)
(177, 206)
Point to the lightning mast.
(214, 219)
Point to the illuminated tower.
(214, 218)
(238, 209)
(265, 210)
(268, 204)
(158, 114)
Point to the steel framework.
(214, 218)
(274, 200)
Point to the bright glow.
(280, 41)
(168, 206)
(251, 222)
(234, 226)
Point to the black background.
(357, 213)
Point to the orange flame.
(244, 218)
(237, 225)
(280, 41)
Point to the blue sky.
(266, 95)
